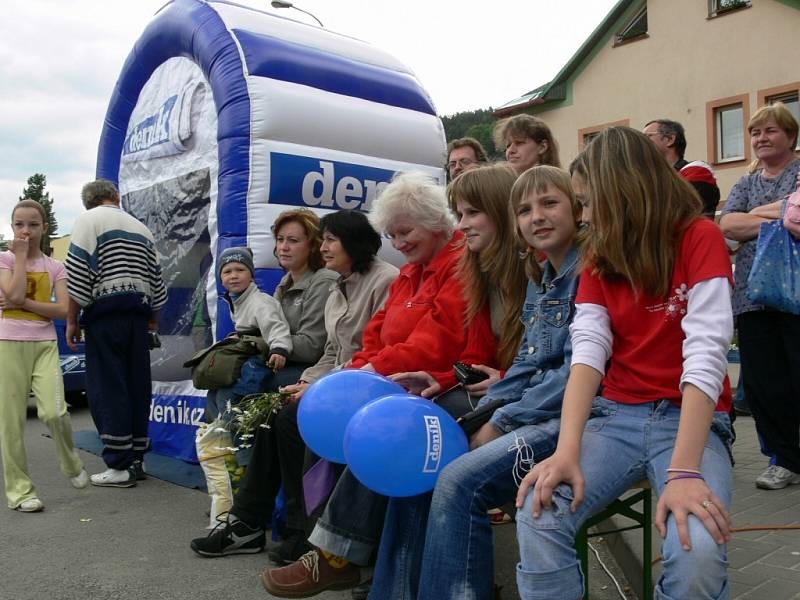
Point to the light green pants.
(26, 367)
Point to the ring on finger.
(706, 503)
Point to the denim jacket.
(534, 385)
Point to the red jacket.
(421, 326)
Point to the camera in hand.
(466, 375)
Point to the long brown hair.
(640, 210)
(498, 266)
(528, 126)
(536, 180)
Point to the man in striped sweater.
(115, 285)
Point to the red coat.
(421, 326)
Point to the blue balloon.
(398, 444)
(330, 402)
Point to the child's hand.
(19, 246)
(276, 362)
(484, 435)
(6, 304)
(482, 386)
(546, 476)
(692, 496)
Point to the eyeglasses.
(461, 162)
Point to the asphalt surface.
(133, 544)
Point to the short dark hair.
(468, 142)
(359, 239)
(668, 127)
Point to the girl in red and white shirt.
(650, 335)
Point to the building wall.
(60, 246)
(686, 61)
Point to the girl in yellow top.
(29, 355)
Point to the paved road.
(132, 544)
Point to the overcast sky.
(59, 61)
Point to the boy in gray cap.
(253, 313)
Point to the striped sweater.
(112, 264)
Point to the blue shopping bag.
(774, 280)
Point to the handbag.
(220, 365)
(774, 279)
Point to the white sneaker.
(80, 481)
(776, 478)
(31, 505)
(114, 478)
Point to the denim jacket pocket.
(557, 313)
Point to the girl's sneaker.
(114, 478)
(31, 505)
(80, 481)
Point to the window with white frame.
(729, 126)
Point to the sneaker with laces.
(114, 478)
(309, 576)
(80, 481)
(30, 505)
(138, 470)
(776, 478)
(230, 536)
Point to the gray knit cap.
(241, 254)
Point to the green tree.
(35, 190)
(475, 123)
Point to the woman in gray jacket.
(303, 291)
(349, 248)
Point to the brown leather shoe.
(309, 576)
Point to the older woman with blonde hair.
(528, 142)
(421, 326)
(768, 339)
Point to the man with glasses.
(670, 139)
(464, 154)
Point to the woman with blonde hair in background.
(769, 340)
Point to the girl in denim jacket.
(439, 545)
(653, 323)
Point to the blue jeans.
(624, 445)
(439, 545)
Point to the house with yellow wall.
(708, 64)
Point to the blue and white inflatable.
(224, 116)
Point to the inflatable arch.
(224, 116)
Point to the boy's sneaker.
(230, 536)
(138, 470)
(31, 505)
(776, 478)
(80, 481)
(114, 478)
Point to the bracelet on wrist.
(685, 476)
(695, 471)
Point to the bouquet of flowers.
(252, 412)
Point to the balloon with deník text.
(330, 402)
(398, 444)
